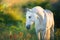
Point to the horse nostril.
(28, 26)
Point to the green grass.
(18, 33)
(21, 33)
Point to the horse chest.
(39, 27)
(40, 24)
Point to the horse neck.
(37, 22)
(39, 11)
(39, 19)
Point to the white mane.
(38, 10)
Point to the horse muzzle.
(28, 27)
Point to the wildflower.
(15, 36)
(28, 35)
(21, 34)
(11, 35)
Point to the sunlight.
(12, 2)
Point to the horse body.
(44, 22)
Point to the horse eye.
(29, 16)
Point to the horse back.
(49, 18)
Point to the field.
(13, 18)
(18, 34)
(21, 33)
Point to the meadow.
(21, 33)
(13, 19)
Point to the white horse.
(44, 22)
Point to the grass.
(23, 34)
(20, 33)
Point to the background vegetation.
(12, 18)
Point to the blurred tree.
(56, 6)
